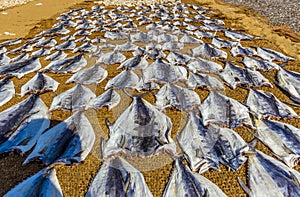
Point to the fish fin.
(244, 187)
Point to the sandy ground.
(74, 180)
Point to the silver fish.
(206, 51)
(20, 57)
(178, 59)
(44, 183)
(204, 81)
(85, 26)
(140, 37)
(60, 30)
(51, 42)
(72, 99)
(4, 59)
(83, 39)
(202, 34)
(40, 83)
(24, 48)
(256, 64)
(141, 129)
(115, 35)
(7, 90)
(269, 54)
(126, 79)
(204, 66)
(220, 43)
(183, 182)
(222, 110)
(22, 124)
(93, 75)
(117, 178)
(21, 68)
(235, 75)
(68, 45)
(134, 63)
(86, 47)
(82, 32)
(109, 98)
(58, 55)
(165, 38)
(172, 46)
(68, 65)
(189, 40)
(11, 42)
(238, 50)
(111, 58)
(265, 104)
(3, 49)
(237, 36)
(171, 95)
(67, 143)
(128, 46)
(41, 52)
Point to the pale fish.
(238, 36)
(4, 59)
(220, 43)
(269, 54)
(111, 58)
(58, 55)
(256, 64)
(126, 79)
(137, 62)
(7, 90)
(204, 81)
(205, 66)
(207, 51)
(178, 59)
(238, 50)
(109, 98)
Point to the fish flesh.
(68, 142)
(261, 65)
(93, 75)
(207, 51)
(44, 183)
(40, 83)
(111, 58)
(204, 81)
(109, 98)
(183, 182)
(269, 54)
(222, 110)
(141, 129)
(137, 62)
(204, 66)
(171, 95)
(7, 90)
(22, 124)
(126, 79)
(117, 177)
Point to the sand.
(74, 180)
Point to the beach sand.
(27, 21)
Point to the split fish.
(204, 81)
(269, 54)
(109, 98)
(207, 51)
(7, 90)
(126, 79)
(111, 58)
(205, 66)
(137, 62)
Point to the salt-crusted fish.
(204, 66)
(117, 177)
(238, 50)
(269, 177)
(162, 72)
(189, 40)
(68, 65)
(269, 54)
(20, 57)
(41, 52)
(22, 124)
(115, 35)
(40, 83)
(21, 68)
(289, 81)
(4, 59)
(93, 75)
(112, 58)
(220, 43)
(51, 42)
(265, 104)
(256, 64)
(282, 139)
(68, 45)
(183, 182)
(222, 110)
(172, 46)
(141, 129)
(7, 90)
(234, 75)
(58, 55)
(126, 79)
(237, 36)
(44, 183)
(207, 51)
(137, 62)
(204, 81)
(68, 142)
(109, 98)
(178, 59)
(140, 37)
(127, 46)
(171, 95)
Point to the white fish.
(67, 143)
(68, 45)
(20, 57)
(126, 79)
(237, 36)
(220, 43)
(86, 47)
(4, 59)
(202, 34)
(189, 40)
(109, 98)
(140, 37)
(178, 59)
(82, 32)
(46, 43)
(115, 35)
(256, 64)
(172, 46)
(41, 52)
(111, 58)
(164, 38)
(204, 81)
(207, 51)
(269, 54)
(238, 50)
(72, 99)
(134, 63)
(11, 42)
(127, 46)
(7, 90)
(204, 66)
(58, 55)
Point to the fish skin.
(204, 81)
(93, 75)
(264, 104)
(43, 183)
(7, 90)
(204, 66)
(109, 98)
(137, 62)
(68, 142)
(269, 54)
(117, 178)
(263, 65)
(40, 83)
(207, 51)
(183, 182)
(225, 111)
(126, 79)
(238, 36)
(283, 140)
(141, 129)
(29, 125)
(111, 58)
(19, 69)
(72, 99)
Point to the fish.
(117, 177)
(41, 52)
(58, 55)
(289, 81)
(178, 59)
(238, 50)
(141, 130)
(281, 138)
(127, 46)
(268, 176)
(155, 54)
(204, 81)
(182, 182)
(115, 35)
(125, 79)
(238, 36)
(172, 46)
(84, 39)
(189, 40)
(162, 72)
(264, 104)
(109, 98)
(134, 63)
(68, 65)
(165, 38)
(72, 99)
(11, 42)
(224, 111)
(68, 37)
(21, 68)
(140, 37)
(43, 183)
(51, 42)
(4, 59)
(82, 32)
(7, 90)
(202, 34)
(204, 66)
(86, 47)
(22, 124)
(207, 51)
(68, 45)
(59, 30)
(220, 43)
(269, 54)
(261, 65)
(171, 95)
(234, 75)
(20, 57)
(39, 84)
(111, 58)
(68, 142)
(85, 26)
(3, 49)
(24, 48)
(93, 75)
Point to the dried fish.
(205, 66)
(51, 42)
(82, 32)
(24, 48)
(20, 57)
(265, 104)
(206, 51)
(189, 40)
(178, 59)
(255, 64)
(140, 37)
(225, 111)
(67, 143)
(56, 30)
(109, 98)
(165, 38)
(4, 59)
(58, 55)
(41, 52)
(141, 129)
(134, 63)
(111, 58)
(7, 90)
(128, 46)
(237, 36)
(115, 35)
(11, 42)
(204, 81)
(220, 43)
(93, 75)
(86, 47)
(171, 95)
(68, 45)
(126, 79)
(242, 51)
(172, 46)
(44, 183)
(202, 34)
(117, 177)
(269, 54)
